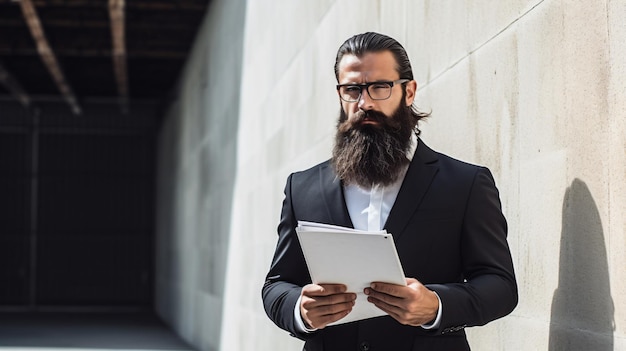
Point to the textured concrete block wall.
(197, 161)
(532, 89)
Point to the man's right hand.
(323, 304)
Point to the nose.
(365, 101)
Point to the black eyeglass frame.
(367, 86)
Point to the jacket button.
(365, 346)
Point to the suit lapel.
(418, 178)
(334, 199)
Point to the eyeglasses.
(376, 90)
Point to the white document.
(339, 255)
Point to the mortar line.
(480, 46)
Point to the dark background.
(76, 207)
(77, 190)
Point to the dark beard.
(366, 154)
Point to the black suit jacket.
(450, 234)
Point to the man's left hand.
(413, 304)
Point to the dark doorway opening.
(77, 207)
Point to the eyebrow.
(374, 81)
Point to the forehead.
(371, 66)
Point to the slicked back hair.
(361, 44)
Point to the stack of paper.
(355, 258)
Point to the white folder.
(351, 257)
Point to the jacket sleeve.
(489, 290)
(288, 272)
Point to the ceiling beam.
(47, 55)
(98, 53)
(14, 87)
(117, 12)
(142, 5)
(96, 24)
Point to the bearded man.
(444, 214)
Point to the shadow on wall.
(582, 308)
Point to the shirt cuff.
(437, 321)
(300, 326)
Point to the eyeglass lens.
(377, 91)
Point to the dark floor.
(47, 331)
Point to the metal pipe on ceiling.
(116, 12)
(47, 55)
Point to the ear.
(411, 88)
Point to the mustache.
(356, 122)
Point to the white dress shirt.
(368, 210)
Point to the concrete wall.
(533, 89)
(197, 155)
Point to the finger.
(412, 281)
(389, 289)
(340, 298)
(326, 310)
(387, 299)
(389, 308)
(323, 289)
(319, 317)
(310, 302)
(321, 322)
(397, 313)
